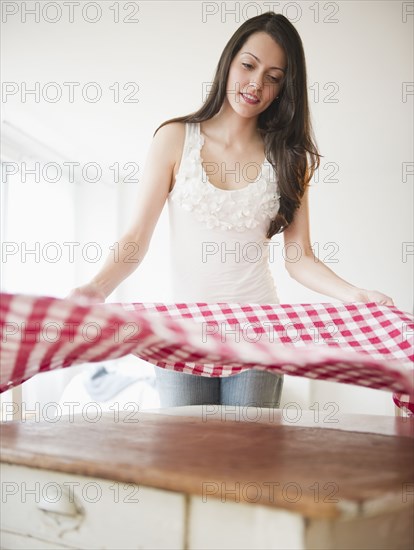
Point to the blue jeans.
(252, 388)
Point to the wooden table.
(208, 477)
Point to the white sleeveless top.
(218, 244)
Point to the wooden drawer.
(72, 511)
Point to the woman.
(220, 210)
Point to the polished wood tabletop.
(319, 470)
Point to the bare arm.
(311, 272)
(152, 193)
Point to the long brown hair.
(285, 125)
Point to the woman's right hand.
(90, 291)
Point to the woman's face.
(257, 70)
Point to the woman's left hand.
(373, 296)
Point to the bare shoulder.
(171, 138)
(172, 129)
(165, 151)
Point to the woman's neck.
(231, 128)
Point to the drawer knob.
(59, 500)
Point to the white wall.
(359, 52)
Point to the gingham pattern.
(405, 402)
(354, 343)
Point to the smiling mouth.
(250, 98)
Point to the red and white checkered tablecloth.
(365, 344)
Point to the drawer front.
(84, 512)
(243, 525)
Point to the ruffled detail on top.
(238, 209)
